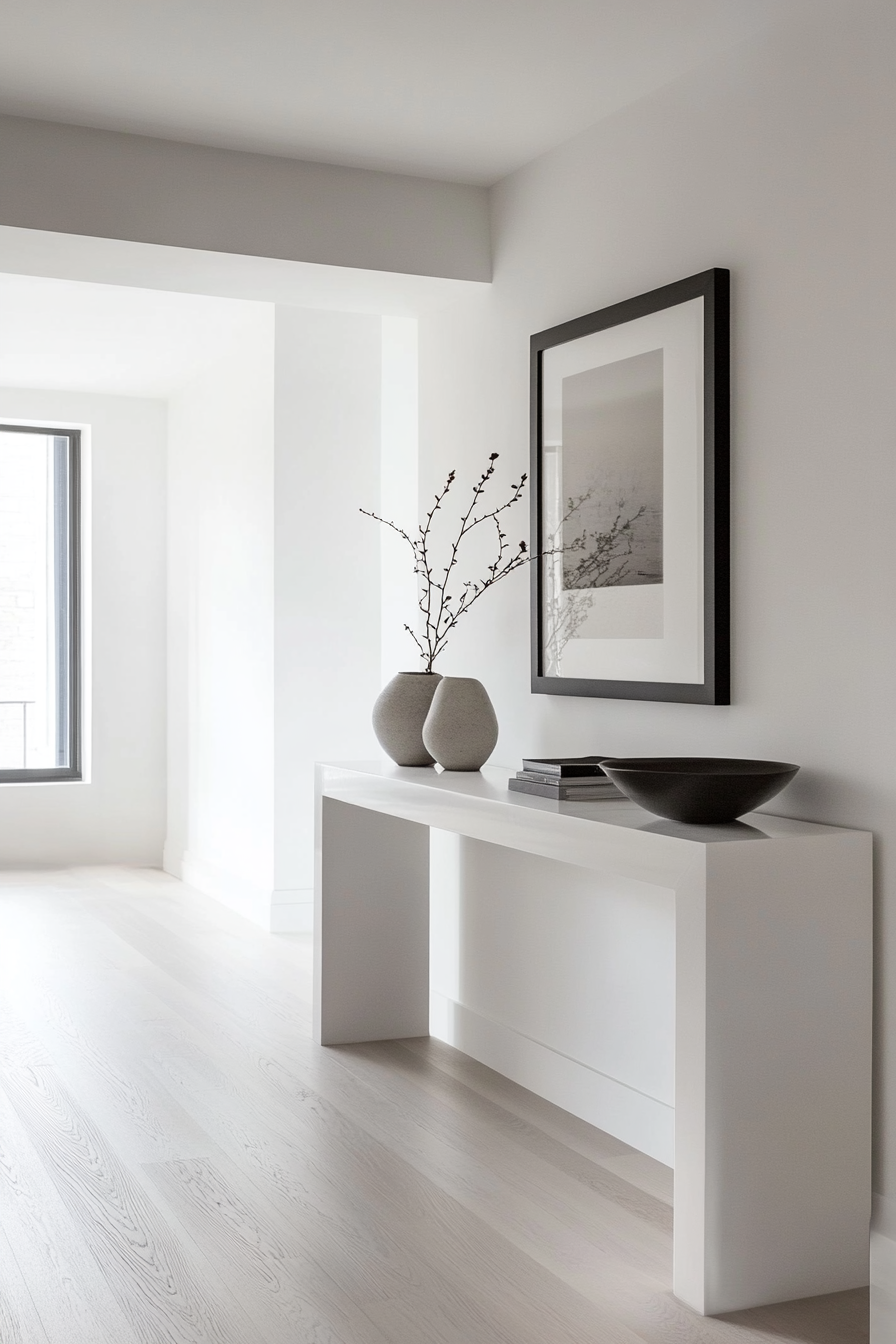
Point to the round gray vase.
(399, 713)
(461, 728)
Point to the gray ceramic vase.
(461, 728)
(399, 714)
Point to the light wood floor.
(179, 1163)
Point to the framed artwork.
(630, 500)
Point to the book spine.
(563, 771)
(561, 793)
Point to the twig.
(437, 606)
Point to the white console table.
(773, 1000)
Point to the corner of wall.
(240, 894)
(173, 862)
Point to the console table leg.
(371, 927)
(773, 1072)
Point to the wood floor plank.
(19, 1319)
(519, 1101)
(643, 1172)
(109, 1082)
(640, 1303)
(178, 1158)
(148, 1271)
(259, 1254)
(350, 1230)
(531, 1112)
(289, 1086)
(836, 1318)
(493, 1121)
(49, 928)
(294, 1171)
(334, 1103)
(455, 1238)
(528, 1201)
(72, 1298)
(397, 1232)
(287, 957)
(259, 1004)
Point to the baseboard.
(629, 1115)
(292, 910)
(173, 862)
(253, 902)
(883, 1270)
(281, 910)
(292, 917)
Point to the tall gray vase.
(399, 713)
(461, 728)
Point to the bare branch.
(438, 607)
(394, 526)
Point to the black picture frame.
(712, 684)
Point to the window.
(39, 604)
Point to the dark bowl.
(701, 790)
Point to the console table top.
(485, 791)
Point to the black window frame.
(67, 519)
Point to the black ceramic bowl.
(703, 790)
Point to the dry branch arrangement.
(440, 607)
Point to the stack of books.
(565, 778)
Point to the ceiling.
(467, 90)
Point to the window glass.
(38, 603)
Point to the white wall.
(775, 162)
(118, 814)
(273, 599)
(327, 429)
(221, 623)
(561, 979)
(105, 184)
(398, 490)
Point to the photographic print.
(630, 499)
